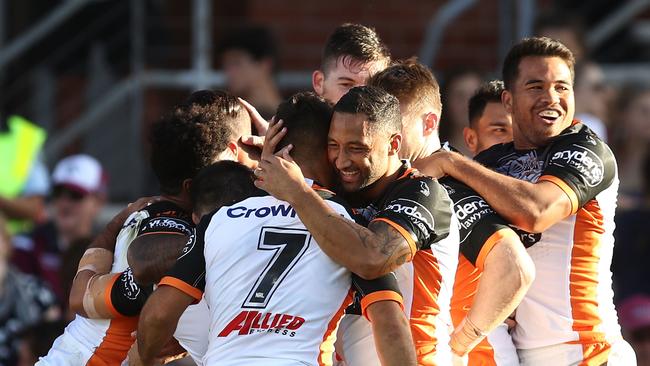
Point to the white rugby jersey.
(107, 341)
(571, 299)
(274, 297)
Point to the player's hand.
(277, 173)
(434, 165)
(260, 124)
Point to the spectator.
(24, 302)
(634, 313)
(79, 190)
(592, 97)
(629, 265)
(23, 177)
(632, 143)
(249, 59)
(458, 88)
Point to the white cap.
(80, 172)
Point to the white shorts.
(65, 351)
(505, 353)
(620, 354)
(192, 331)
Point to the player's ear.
(430, 124)
(471, 140)
(506, 100)
(395, 144)
(317, 80)
(195, 218)
(187, 185)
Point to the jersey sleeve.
(384, 288)
(480, 227)
(188, 274)
(420, 210)
(126, 298)
(581, 165)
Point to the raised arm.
(533, 207)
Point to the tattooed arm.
(369, 252)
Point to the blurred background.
(86, 79)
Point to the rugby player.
(352, 53)
(494, 270)
(275, 298)
(557, 184)
(203, 129)
(489, 122)
(409, 217)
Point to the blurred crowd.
(48, 218)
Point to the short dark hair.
(488, 92)
(380, 108)
(409, 81)
(534, 46)
(307, 119)
(193, 134)
(221, 184)
(355, 43)
(257, 41)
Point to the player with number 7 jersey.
(274, 296)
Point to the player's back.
(274, 296)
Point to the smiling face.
(541, 101)
(358, 154)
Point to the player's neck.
(182, 200)
(374, 191)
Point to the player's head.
(418, 93)
(307, 119)
(538, 77)
(205, 128)
(221, 184)
(364, 138)
(489, 123)
(351, 55)
(248, 55)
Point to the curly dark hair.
(381, 108)
(193, 134)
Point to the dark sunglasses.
(65, 192)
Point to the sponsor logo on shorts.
(251, 321)
(585, 161)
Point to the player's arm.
(392, 334)
(507, 273)
(179, 288)
(88, 285)
(158, 321)
(533, 207)
(382, 305)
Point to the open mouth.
(550, 115)
(349, 176)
